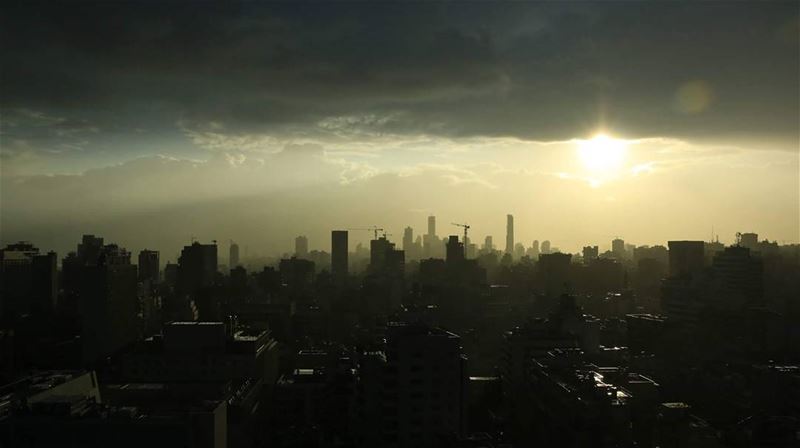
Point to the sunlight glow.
(602, 154)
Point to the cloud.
(532, 71)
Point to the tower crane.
(374, 229)
(466, 228)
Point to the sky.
(154, 123)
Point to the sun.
(602, 154)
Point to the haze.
(151, 126)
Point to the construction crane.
(466, 228)
(374, 229)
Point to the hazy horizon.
(148, 126)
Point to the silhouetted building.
(431, 225)
(455, 250)
(685, 258)
(171, 274)
(408, 238)
(149, 266)
(534, 250)
(590, 253)
(298, 276)
(301, 247)
(89, 249)
(66, 408)
(197, 267)
(545, 248)
(487, 243)
(509, 234)
(109, 304)
(554, 272)
(618, 248)
(203, 352)
(749, 240)
(233, 256)
(28, 280)
(740, 277)
(339, 256)
(412, 392)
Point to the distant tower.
(148, 266)
(339, 256)
(487, 243)
(509, 234)
(618, 247)
(749, 240)
(408, 239)
(545, 248)
(233, 255)
(431, 225)
(590, 253)
(301, 247)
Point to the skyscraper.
(197, 266)
(455, 250)
(686, 257)
(487, 243)
(431, 225)
(740, 275)
(233, 255)
(301, 247)
(509, 234)
(148, 266)
(108, 303)
(28, 279)
(545, 249)
(618, 248)
(408, 239)
(339, 249)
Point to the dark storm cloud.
(536, 71)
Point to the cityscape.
(391, 224)
(436, 341)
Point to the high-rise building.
(554, 271)
(383, 255)
(108, 303)
(28, 280)
(618, 248)
(740, 275)
(149, 266)
(749, 240)
(421, 377)
(455, 250)
(487, 243)
(509, 234)
(301, 247)
(197, 267)
(686, 258)
(339, 248)
(431, 225)
(89, 249)
(233, 255)
(408, 238)
(545, 248)
(590, 253)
